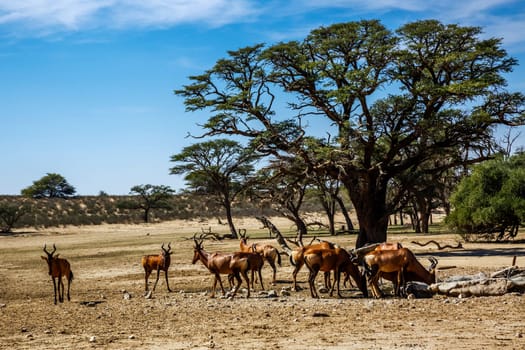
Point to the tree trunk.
(345, 213)
(228, 208)
(369, 200)
(146, 215)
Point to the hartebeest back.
(58, 267)
(160, 262)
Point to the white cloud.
(70, 15)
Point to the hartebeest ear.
(56, 256)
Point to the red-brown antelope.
(256, 263)
(267, 251)
(58, 267)
(326, 260)
(297, 258)
(160, 262)
(399, 266)
(221, 263)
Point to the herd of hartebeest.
(387, 260)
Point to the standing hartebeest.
(223, 263)
(157, 262)
(267, 251)
(58, 267)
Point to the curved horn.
(433, 263)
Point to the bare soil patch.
(106, 263)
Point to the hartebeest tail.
(58, 267)
(160, 262)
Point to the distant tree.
(50, 186)
(149, 197)
(218, 168)
(491, 201)
(9, 215)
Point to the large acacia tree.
(390, 101)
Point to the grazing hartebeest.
(267, 251)
(58, 267)
(221, 263)
(399, 265)
(159, 262)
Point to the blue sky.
(86, 86)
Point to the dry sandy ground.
(106, 263)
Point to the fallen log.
(499, 283)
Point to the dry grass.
(106, 262)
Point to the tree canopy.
(388, 102)
(50, 186)
(491, 201)
(218, 168)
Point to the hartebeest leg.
(146, 278)
(54, 288)
(311, 281)
(167, 283)
(247, 279)
(294, 275)
(272, 265)
(260, 278)
(157, 279)
(68, 288)
(60, 289)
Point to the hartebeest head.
(49, 256)
(166, 255)
(196, 248)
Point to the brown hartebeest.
(58, 267)
(256, 263)
(267, 251)
(337, 260)
(221, 263)
(160, 262)
(297, 260)
(399, 265)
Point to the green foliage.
(10, 214)
(50, 186)
(490, 203)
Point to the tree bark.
(229, 218)
(369, 200)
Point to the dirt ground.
(108, 309)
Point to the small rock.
(323, 290)
(23, 329)
(272, 294)
(285, 293)
(131, 336)
(92, 339)
(126, 296)
(519, 335)
(3, 305)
